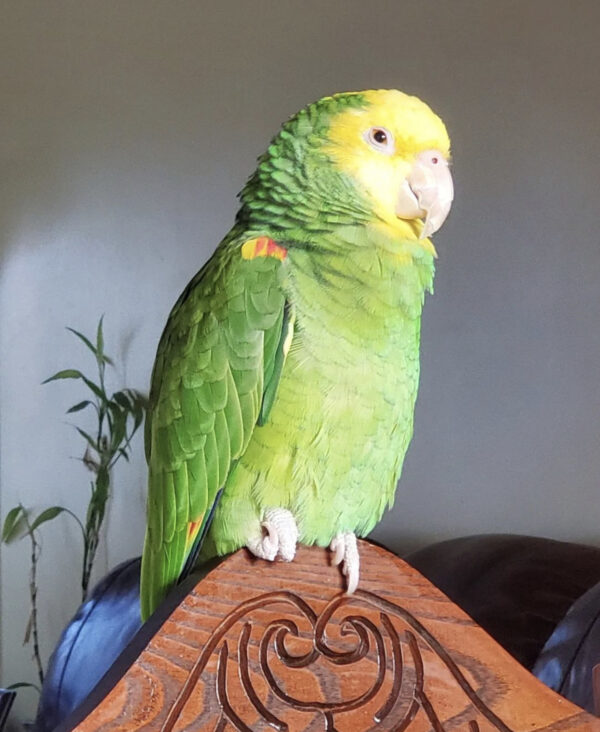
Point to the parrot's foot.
(346, 551)
(280, 536)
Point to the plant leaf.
(86, 437)
(138, 419)
(137, 397)
(140, 404)
(14, 524)
(95, 388)
(64, 374)
(87, 341)
(47, 515)
(91, 346)
(100, 341)
(75, 374)
(118, 428)
(22, 685)
(78, 407)
(121, 399)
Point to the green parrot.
(282, 396)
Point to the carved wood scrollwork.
(254, 664)
(259, 646)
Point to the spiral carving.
(361, 663)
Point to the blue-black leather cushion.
(570, 654)
(518, 588)
(88, 646)
(100, 643)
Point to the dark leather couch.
(538, 598)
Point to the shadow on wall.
(35, 191)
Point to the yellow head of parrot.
(397, 149)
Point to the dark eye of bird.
(380, 136)
(380, 139)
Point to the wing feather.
(217, 351)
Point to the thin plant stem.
(33, 589)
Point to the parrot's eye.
(381, 139)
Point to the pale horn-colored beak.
(427, 192)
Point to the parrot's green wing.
(216, 374)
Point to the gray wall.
(128, 127)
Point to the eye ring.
(380, 139)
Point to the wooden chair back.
(277, 646)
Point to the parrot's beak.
(427, 192)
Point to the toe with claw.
(345, 551)
(280, 536)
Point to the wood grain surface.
(276, 646)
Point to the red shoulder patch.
(263, 247)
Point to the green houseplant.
(118, 416)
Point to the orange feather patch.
(263, 247)
(193, 527)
